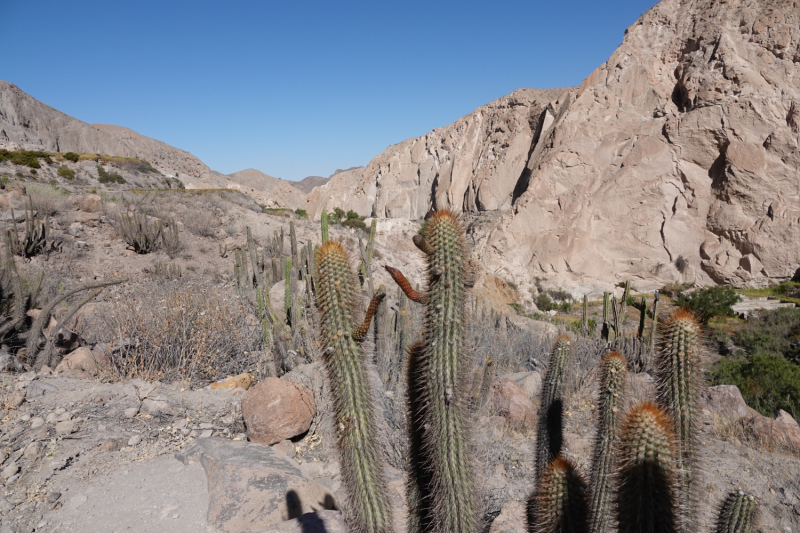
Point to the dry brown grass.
(182, 329)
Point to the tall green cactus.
(647, 471)
(293, 241)
(642, 317)
(453, 504)
(613, 372)
(418, 487)
(736, 514)
(288, 300)
(323, 219)
(559, 503)
(369, 510)
(549, 431)
(679, 374)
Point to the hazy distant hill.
(308, 184)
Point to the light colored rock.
(276, 409)
(66, 427)
(529, 382)
(134, 440)
(512, 519)
(10, 470)
(252, 487)
(324, 521)
(82, 359)
(156, 406)
(130, 412)
(37, 422)
(513, 403)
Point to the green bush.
(775, 332)
(72, 156)
(355, 223)
(65, 172)
(337, 215)
(105, 177)
(25, 157)
(352, 215)
(544, 303)
(302, 213)
(767, 382)
(709, 302)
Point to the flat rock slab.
(159, 495)
(252, 487)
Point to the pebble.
(52, 418)
(53, 497)
(66, 427)
(206, 425)
(63, 417)
(16, 400)
(133, 441)
(60, 410)
(36, 422)
(130, 412)
(31, 450)
(206, 433)
(25, 417)
(181, 424)
(193, 433)
(5, 506)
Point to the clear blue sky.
(297, 88)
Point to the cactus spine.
(346, 365)
(678, 370)
(646, 495)
(548, 432)
(323, 219)
(559, 503)
(613, 372)
(736, 513)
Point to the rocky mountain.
(307, 184)
(684, 144)
(32, 125)
(263, 188)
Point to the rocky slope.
(683, 144)
(307, 184)
(29, 124)
(263, 188)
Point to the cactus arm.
(323, 219)
(405, 286)
(423, 244)
(736, 514)
(360, 333)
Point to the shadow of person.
(309, 522)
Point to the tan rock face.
(275, 410)
(684, 143)
(513, 403)
(473, 164)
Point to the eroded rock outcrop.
(683, 144)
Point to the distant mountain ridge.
(33, 125)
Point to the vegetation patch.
(105, 177)
(25, 157)
(66, 172)
(788, 291)
(709, 302)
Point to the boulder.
(252, 487)
(275, 410)
(529, 382)
(84, 360)
(513, 403)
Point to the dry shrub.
(181, 330)
(200, 220)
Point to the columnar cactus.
(559, 503)
(613, 372)
(736, 514)
(369, 510)
(323, 220)
(548, 433)
(646, 496)
(418, 488)
(453, 502)
(679, 374)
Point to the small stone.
(206, 425)
(12, 479)
(5, 506)
(3, 457)
(15, 400)
(130, 412)
(25, 418)
(181, 424)
(31, 450)
(60, 410)
(66, 427)
(240, 436)
(53, 497)
(206, 433)
(193, 433)
(45, 371)
(133, 441)
(36, 422)
(10, 470)
(51, 418)
(63, 417)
